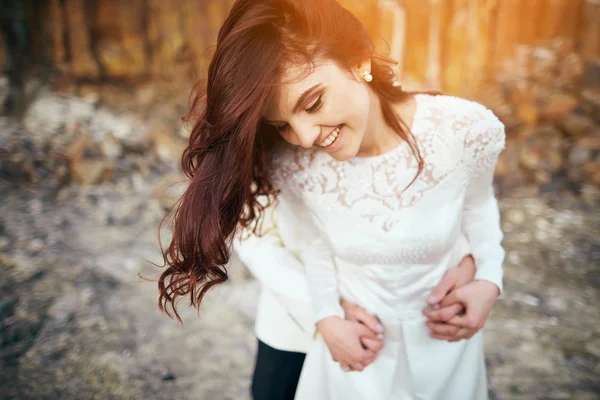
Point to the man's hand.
(478, 299)
(441, 309)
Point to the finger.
(451, 298)
(365, 332)
(368, 320)
(465, 333)
(442, 289)
(441, 328)
(373, 345)
(368, 354)
(465, 321)
(444, 314)
(357, 366)
(444, 337)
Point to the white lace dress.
(385, 247)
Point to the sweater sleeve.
(272, 264)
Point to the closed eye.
(316, 105)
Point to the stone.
(591, 97)
(558, 106)
(543, 64)
(530, 159)
(515, 216)
(87, 163)
(6, 262)
(36, 245)
(184, 132)
(570, 69)
(576, 125)
(65, 307)
(591, 143)
(593, 347)
(528, 299)
(111, 147)
(4, 243)
(4, 87)
(165, 144)
(579, 155)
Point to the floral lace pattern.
(457, 139)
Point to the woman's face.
(328, 109)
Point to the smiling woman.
(295, 55)
(383, 191)
(337, 111)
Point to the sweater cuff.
(330, 311)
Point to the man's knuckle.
(472, 324)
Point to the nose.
(306, 134)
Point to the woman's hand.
(343, 338)
(358, 314)
(478, 299)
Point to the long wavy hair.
(227, 157)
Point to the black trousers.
(276, 373)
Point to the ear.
(359, 69)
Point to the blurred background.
(91, 98)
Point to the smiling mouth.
(331, 138)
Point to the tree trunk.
(14, 31)
(96, 41)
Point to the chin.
(344, 154)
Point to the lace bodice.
(457, 140)
(373, 212)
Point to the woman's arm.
(481, 225)
(343, 337)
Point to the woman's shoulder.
(468, 122)
(450, 106)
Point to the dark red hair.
(226, 160)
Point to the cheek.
(352, 108)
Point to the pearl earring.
(367, 76)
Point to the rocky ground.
(82, 191)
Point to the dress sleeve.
(481, 216)
(321, 272)
(315, 252)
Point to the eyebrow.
(301, 99)
(304, 95)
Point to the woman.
(385, 181)
(283, 321)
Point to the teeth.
(331, 138)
